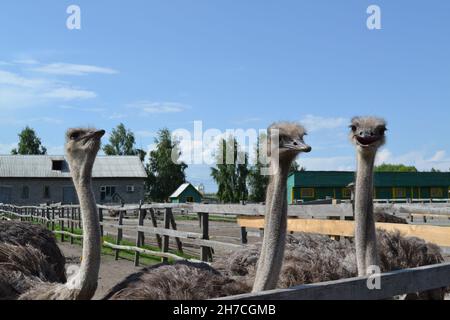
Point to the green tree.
(386, 167)
(231, 178)
(435, 170)
(29, 143)
(121, 143)
(257, 180)
(165, 172)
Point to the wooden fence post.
(165, 242)
(174, 227)
(53, 219)
(119, 233)
(100, 218)
(244, 239)
(205, 253)
(47, 217)
(72, 217)
(61, 222)
(155, 225)
(261, 232)
(140, 234)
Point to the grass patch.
(144, 259)
(211, 218)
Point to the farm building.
(33, 180)
(186, 193)
(315, 185)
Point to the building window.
(307, 192)
(189, 199)
(106, 192)
(57, 165)
(46, 192)
(436, 193)
(399, 193)
(130, 189)
(25, 192)
(346, 193)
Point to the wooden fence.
(64, 219)
(390, 284)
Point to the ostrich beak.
(298, 145)
(94, 135)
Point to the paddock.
(162, 225)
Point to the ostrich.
(367, 134)
(193, 281)
(312, 258)
(25, 273)
(290, 143)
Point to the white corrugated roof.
(179, 190)
(22, 166)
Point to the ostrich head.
(290, 139)
(82, 146)
(368, 133)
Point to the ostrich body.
(186, 280)
(282, 154)
(24, 233)
(24, 270)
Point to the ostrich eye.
(74, 136)
(353, 127)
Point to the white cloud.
(69, 94)
(316, 123)
(341, 163)
(158, 107)
(66, 107)
(69, 69)
(422, 161)
(19, 91)
(28, 61)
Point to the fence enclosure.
(325, 219)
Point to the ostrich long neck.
(272, 251)
(85, 281)
(365, 234)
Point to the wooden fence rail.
(391, 284)
(436, 234)
(67, 217)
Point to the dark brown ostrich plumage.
(312, 258)
(27, 234)
(21, 267)
(180, 281)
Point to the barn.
(186, 193)
(315, 185)
(38, 179)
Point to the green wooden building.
(186, 193)
(315, 185)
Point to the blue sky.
(230, 64)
